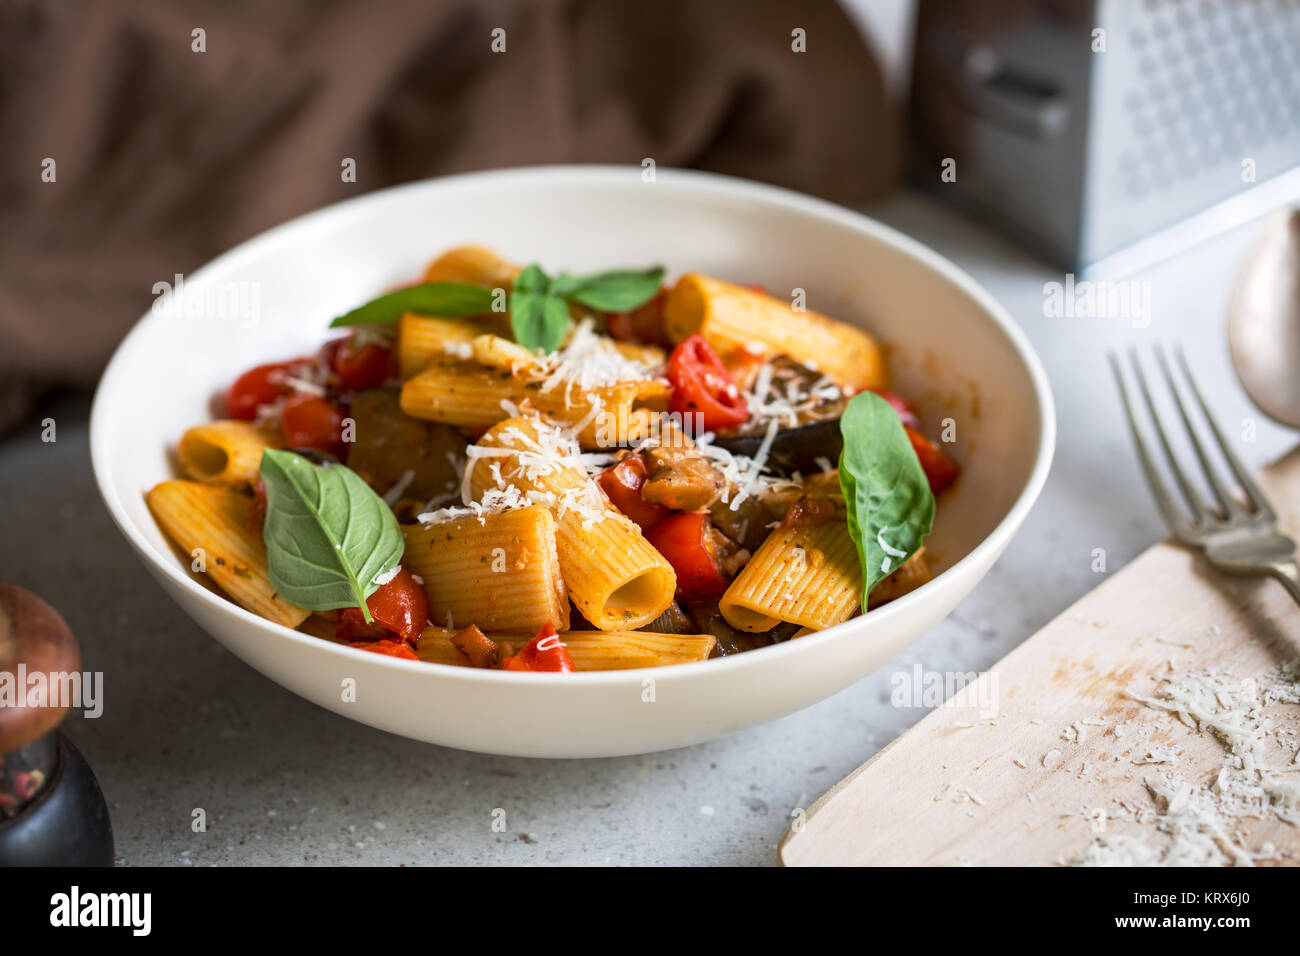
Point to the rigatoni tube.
(214, 526)
(500, 571)
(732, 317)
(226, 452)
(806, 572)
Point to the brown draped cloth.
(164, 157)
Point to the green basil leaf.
(888, 496)
(618, 291)
(539, 321)
(328, 535)
(449, 299)
(564, 285)
(533, 280)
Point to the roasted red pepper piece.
(545, 652)
(686, 541)
(388, 648)
(701, 383)
(399, 607)
(939, 468)
(477, 648)
(622, 483)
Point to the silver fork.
(1234, 538)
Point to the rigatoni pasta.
(732, 317)
(471, 395)
(499, 570)
(806, 573)
(474, 265)
(423, 338)
(226, 452)
(214, 526)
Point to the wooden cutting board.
(1067, 757)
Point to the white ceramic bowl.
(953, 348)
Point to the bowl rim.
(118, 370)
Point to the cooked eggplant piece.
(389, 444)
(709, 620)
(671, 621)
(793, 449)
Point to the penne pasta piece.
(732, 317)
(422, 338)
(470, 395)
(474, 265)
(499, 571)
(806, 572)
(214, 525)
(589, 650)
(615, 577)
(225, 452)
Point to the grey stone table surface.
(186, 725)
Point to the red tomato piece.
(398, 607)
(906, 410)
(545, 652)
(686, 542)
(260, 386)
(702, 384)
(388, 649)
(622, 483)
(257, 516)
(643, 324)
(359, 368)
(310, 421)
(939, 468)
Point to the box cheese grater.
(1109, 133)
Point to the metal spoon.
(1264, 320)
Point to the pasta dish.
(497, 467)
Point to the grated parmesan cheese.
(1201, 820)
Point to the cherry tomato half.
(702, 384)
(906, 410)
(622, 483)
(359, 367)
(686, 542)
(938, 467)
(260, 386)
(545, 652)
(398, 607)
(310, 421)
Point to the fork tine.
(1200, 513)
(1248, 485)
(1159, 490)
(1226, 499)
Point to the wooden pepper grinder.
(52, 812)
